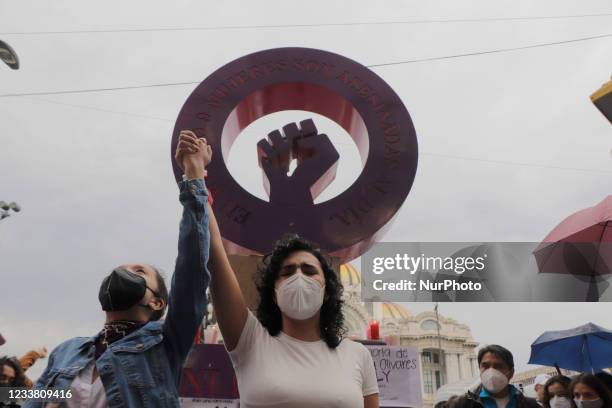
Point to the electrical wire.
(159, 85)
(313, 25)
(94, 108)
(439, 155)
(116, 88)
(470, 54)
(512, 163)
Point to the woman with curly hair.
(12, 374)
(293, 354)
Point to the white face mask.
(560, 402)
(493, 380)
(596, 403)
(299, 296)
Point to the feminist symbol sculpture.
(328, 84)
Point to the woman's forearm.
(228, 301)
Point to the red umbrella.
(580, 245)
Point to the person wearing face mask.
(588, 391)
(292, 354)
(496, 365)
(556, 392)
(538, 386)
(136, 359)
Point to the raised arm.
(230, 307)
(28, 359)
(187, 300)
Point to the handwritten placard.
(398, 374)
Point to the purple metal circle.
(334, 86)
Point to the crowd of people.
(496, 363)
(583, 391)
(292, 352)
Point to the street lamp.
(441, 355)
(8, 55)
(6, 208)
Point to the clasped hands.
(192, 154)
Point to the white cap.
(541, 379)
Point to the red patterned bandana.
(114, 331)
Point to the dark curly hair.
(332, 319)
(20, 378)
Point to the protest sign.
(398, 374)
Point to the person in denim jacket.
(136, 360)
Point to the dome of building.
(394, 311)
(349, 275)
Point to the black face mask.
(121, 290)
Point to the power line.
(276, 26)
(159, 85)
(94, 108)
(525, 47)
(520, 164)
(444, 156)
(117, 88)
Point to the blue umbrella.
(587, 348)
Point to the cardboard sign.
(398, 374)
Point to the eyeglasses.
(306, 268)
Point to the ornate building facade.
(446, 346)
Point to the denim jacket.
(143, 369)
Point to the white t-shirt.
(85, 392)
(284, 372)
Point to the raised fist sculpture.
(317, 162)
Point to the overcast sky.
(509, 143)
